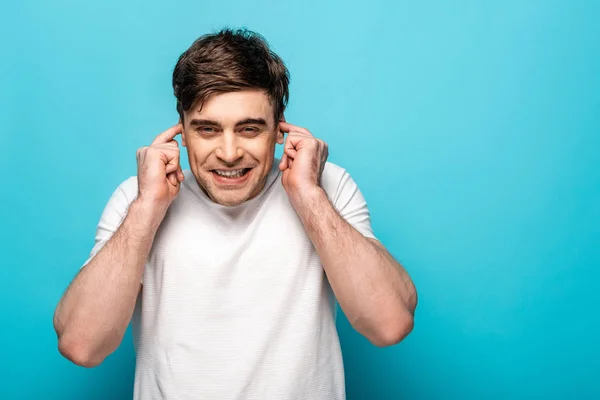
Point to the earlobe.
(280, 134)
(183, 138)
(182, 133)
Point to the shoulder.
(332, 175)
(334, 178)
(122, 196)
(128, 188)
(347, 198)
(333, 170)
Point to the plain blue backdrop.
(472, 127)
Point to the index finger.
(168, 135)
(285, 127)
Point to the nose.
(228, 150)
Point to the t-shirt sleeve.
(113, 215)
(348, 199)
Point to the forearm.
(373, 290)
(96, 309)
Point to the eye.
(249, 130)
(206, 130)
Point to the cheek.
(199, 151)
(261, 148)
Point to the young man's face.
(231, 144)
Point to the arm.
(373, 290)
(92, 316)
(94, 313)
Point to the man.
(231, 270)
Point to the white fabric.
(235, 303)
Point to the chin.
(229, 201)
(226, 197)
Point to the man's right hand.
(159, 171)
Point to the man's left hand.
(303, 160)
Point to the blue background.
(473, 129)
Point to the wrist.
(308, 197)
(148, 214)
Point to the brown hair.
(228, 61)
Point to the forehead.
(231, 107)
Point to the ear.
(182, 134)
(280, 134)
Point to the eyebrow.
(206, 122)
(247, 121)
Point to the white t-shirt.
(235, 303)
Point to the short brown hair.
(229, 61)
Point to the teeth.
(230, 173)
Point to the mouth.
(231, 176)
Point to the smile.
(231, 173)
